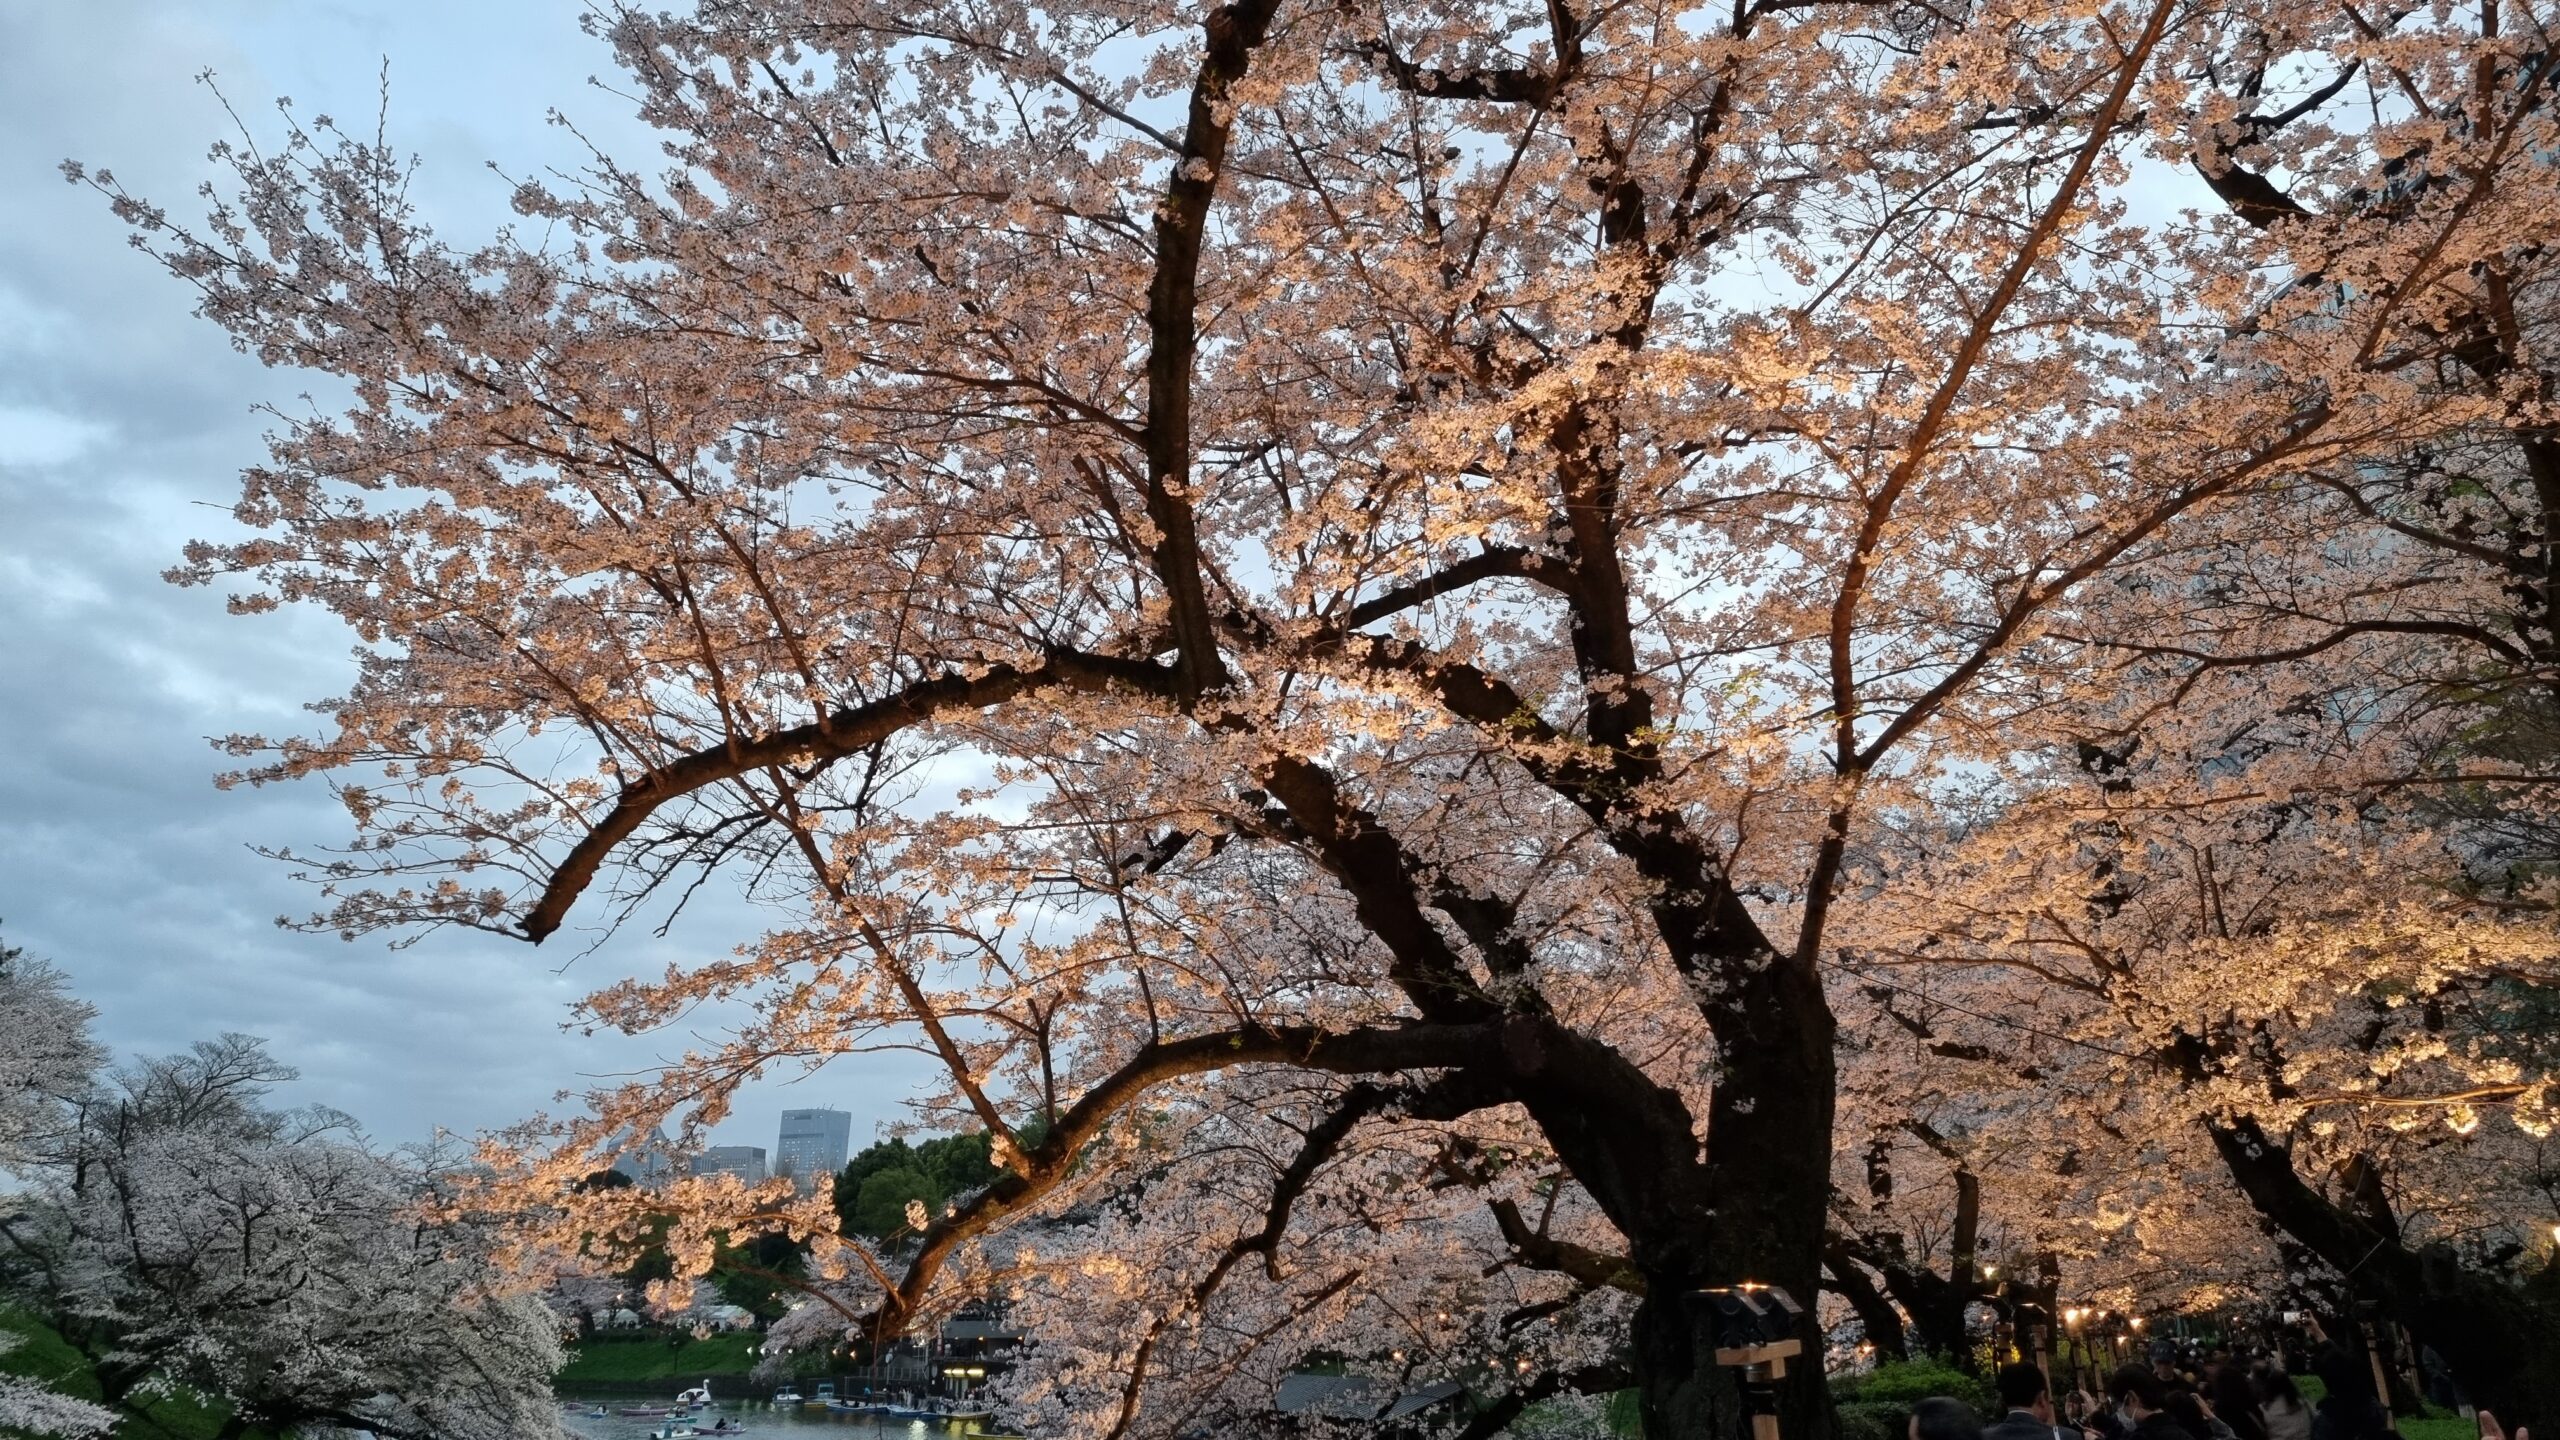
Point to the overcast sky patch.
(123, 424)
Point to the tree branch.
(844, 732)
(1372, 1050)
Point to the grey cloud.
(123, 421)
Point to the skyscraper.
(813, 1145)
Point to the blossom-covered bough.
(1332, 601)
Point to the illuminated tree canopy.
(1466, 645)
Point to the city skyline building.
(813, 1143)
(646, 1160)
(744, 1161)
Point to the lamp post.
(2071, 1319)
(2004, 1325)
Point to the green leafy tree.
(871, 1194)
(880, 1207)
(957, 1164)
(761, 1275)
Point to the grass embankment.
(630, 1362)
(2435, 1424)
(43, 1355)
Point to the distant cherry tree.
(46, 1060)
(183, 1232)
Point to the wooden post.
(2381, 1377)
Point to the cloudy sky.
(122, 423)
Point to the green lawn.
(620, 1362)
(44, 1355)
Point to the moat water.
(759, 1421)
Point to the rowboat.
(678, 1428)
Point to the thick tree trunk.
(1937, 1308)
(2501, 1341)
(1768, 1199)
(1684, 1394)
(1937, 1303)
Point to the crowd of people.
(2161, 1401)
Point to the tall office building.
(744, 1161)
(813, 1145)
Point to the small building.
(974, 1346)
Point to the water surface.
(762, 1421)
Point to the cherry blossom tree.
(46, 1060)
(2304, 986)
(188, 1234)
(2266, 926)
(2285, 879)
(1988, 1163)
(1339, 604)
